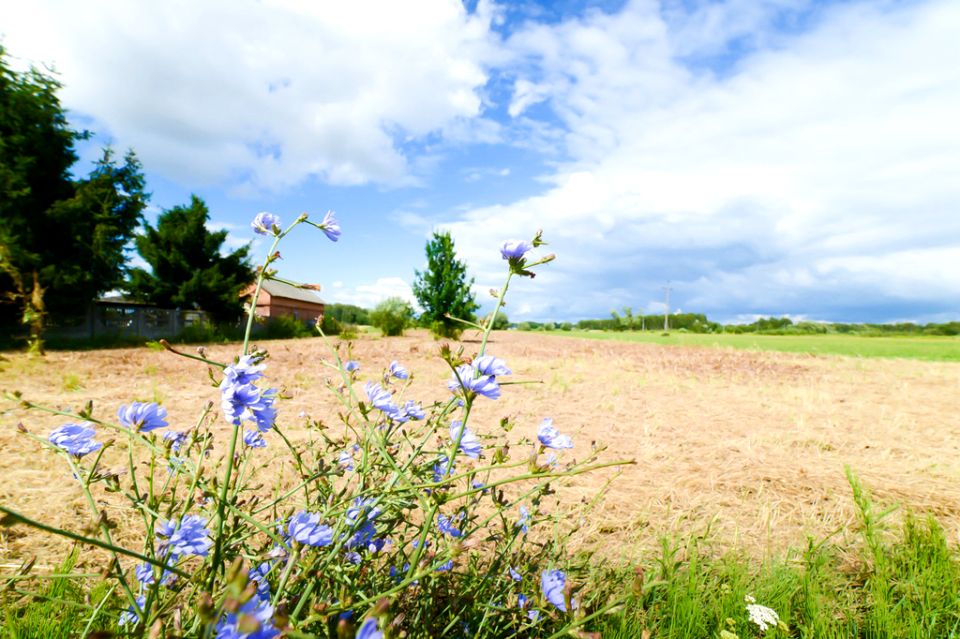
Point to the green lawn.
(944, 349)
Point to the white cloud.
(238, 236)
(525, 95)
(476, 174)
(264, 94)
(369, 295)
(823, 166)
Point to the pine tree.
(62, 239)
(443, 289)
(187, 267)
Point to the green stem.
(493, 316)
(16, 517)
(96, 611)
(580, 622)
(104, 529)
(221, 506)
(228, 471)
(291, 562)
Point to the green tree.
(347, 313)
(443, 289)
(392, 315)
(188, 267)
(501, 323)
(62, 239)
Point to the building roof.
(281, 289)
(121, 300)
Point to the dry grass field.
(750, 446)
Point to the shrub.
(404, 521)
(349, 332)
(391, 316)
(330, 325)
(285, 327)
(500, 322)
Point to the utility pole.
(666, 308)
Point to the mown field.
(739, 453)
(751, 444)
(935, 349)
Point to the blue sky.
(762, 156)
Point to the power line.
(666, 307)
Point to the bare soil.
(748, 446)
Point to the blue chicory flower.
(551, 437)
(235, 398)
(306, 528)
(380, 398)
(490, 365)
(247, 402)
(516, 576)
(411, 410)
(142, 416)
(515, 249)
(240, 398)
(264, 411)
(522, 601)
(264, 223)
(254, 439)
(466, 378)
(351, 365)
(445, 525)
(398, 371)
(552, 583)
(442, 468)
(132, 614)
(330, 226)
(189, 536)
(144, 574)
(76, 439)
(469, 443)
(524, 518)
(258, 575)
(445, 566)
(247, 370)
(177, 439)
(363, 509)
(370, 630)
(345, 459)
(236, 625)
(360, 516)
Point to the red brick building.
(278, 299)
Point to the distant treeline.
(347, 314)
(698, 323)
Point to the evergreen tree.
(188, 269)
(443, 289)
(61, 240)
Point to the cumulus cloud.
(261, 95)
(369, 295)
(817, 176)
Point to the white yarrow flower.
(761, 615)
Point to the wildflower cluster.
(407, 520)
